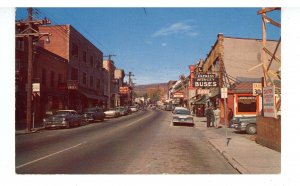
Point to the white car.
(133, 108)
(182, 116)
(112, 113)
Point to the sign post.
(35, 91)
(224, 96)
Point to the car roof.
(66, 111)
(180, 108)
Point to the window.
(246, 104)
(44, 77)
(91, 81)
(52, 79)
(74, 74)
(74, 50)
(59, 78)
(92, 61)
(84, 78)
(84, 56)
(98, 83)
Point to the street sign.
(223, 92)
(257, 88)
(35, 87)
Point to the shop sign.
(256, 88)
(178, 95)
(269, 105)
(72, 85)
(123, 90)
(35, 87)
(205, 80)
(203, 91)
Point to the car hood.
(110, 112)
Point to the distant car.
(93, 114)
(63, 118)
(112, 113)
(168, 107)
(182, 116)
(123, 111)
(246, 124)
(134, 108)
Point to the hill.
(141, 90)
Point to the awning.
(91, 96)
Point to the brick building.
(50, 71)
(85, 62)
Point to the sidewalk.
(242, 153)
(21, 128)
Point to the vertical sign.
(269, 105)
(256, 88)
(223, 92)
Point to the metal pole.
(29, 74)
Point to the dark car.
(246, 124)
(123, 111)
(63, 118)
(93, 114)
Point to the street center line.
(23, 165)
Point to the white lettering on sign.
(269, 105)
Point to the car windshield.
(62, 113)
(183, 112)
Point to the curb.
(233, 162)
(23, 132)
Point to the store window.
(247, 104)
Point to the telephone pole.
(30, 33)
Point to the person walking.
(230, 117)
(217, 114)
(212, 117)
(208, 113)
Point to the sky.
(158, 44)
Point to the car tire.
(251, 129)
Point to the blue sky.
(158, 44)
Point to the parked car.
(63, 118)
(134, 108)
(168, 107)
(246, 124)
(182, 116)
(122, 110)
(112, 113)
(93, 114)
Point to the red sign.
(178, 95)
(123, 90)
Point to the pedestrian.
(212, 116)
(217, 114)
(208, 113)
(230, 117)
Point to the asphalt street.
(144, 142)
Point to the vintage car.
(93, 114)
(123, 111)
(112, 113)
(182, 116)
(63, 118)
(245, 124)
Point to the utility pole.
(30, 33)
(130, 74)
(109, 56)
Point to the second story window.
(52, 79)
(74, 74)
(84, 56)
(75, 50)
(91, 81)
(92, 61)
(84, 78)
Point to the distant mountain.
(141, 90)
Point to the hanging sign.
(206, 80)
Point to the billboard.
(269, 105)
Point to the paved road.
(142, 143)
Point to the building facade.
(85, 63)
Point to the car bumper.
(239, 127)
(54, 124)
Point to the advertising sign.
(35, 87)
(256, 88)
(269, 105)
(206, 80)
(178, 95)
(123, 90)
(203, 91)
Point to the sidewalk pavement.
(242, 152)
(21, 129)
